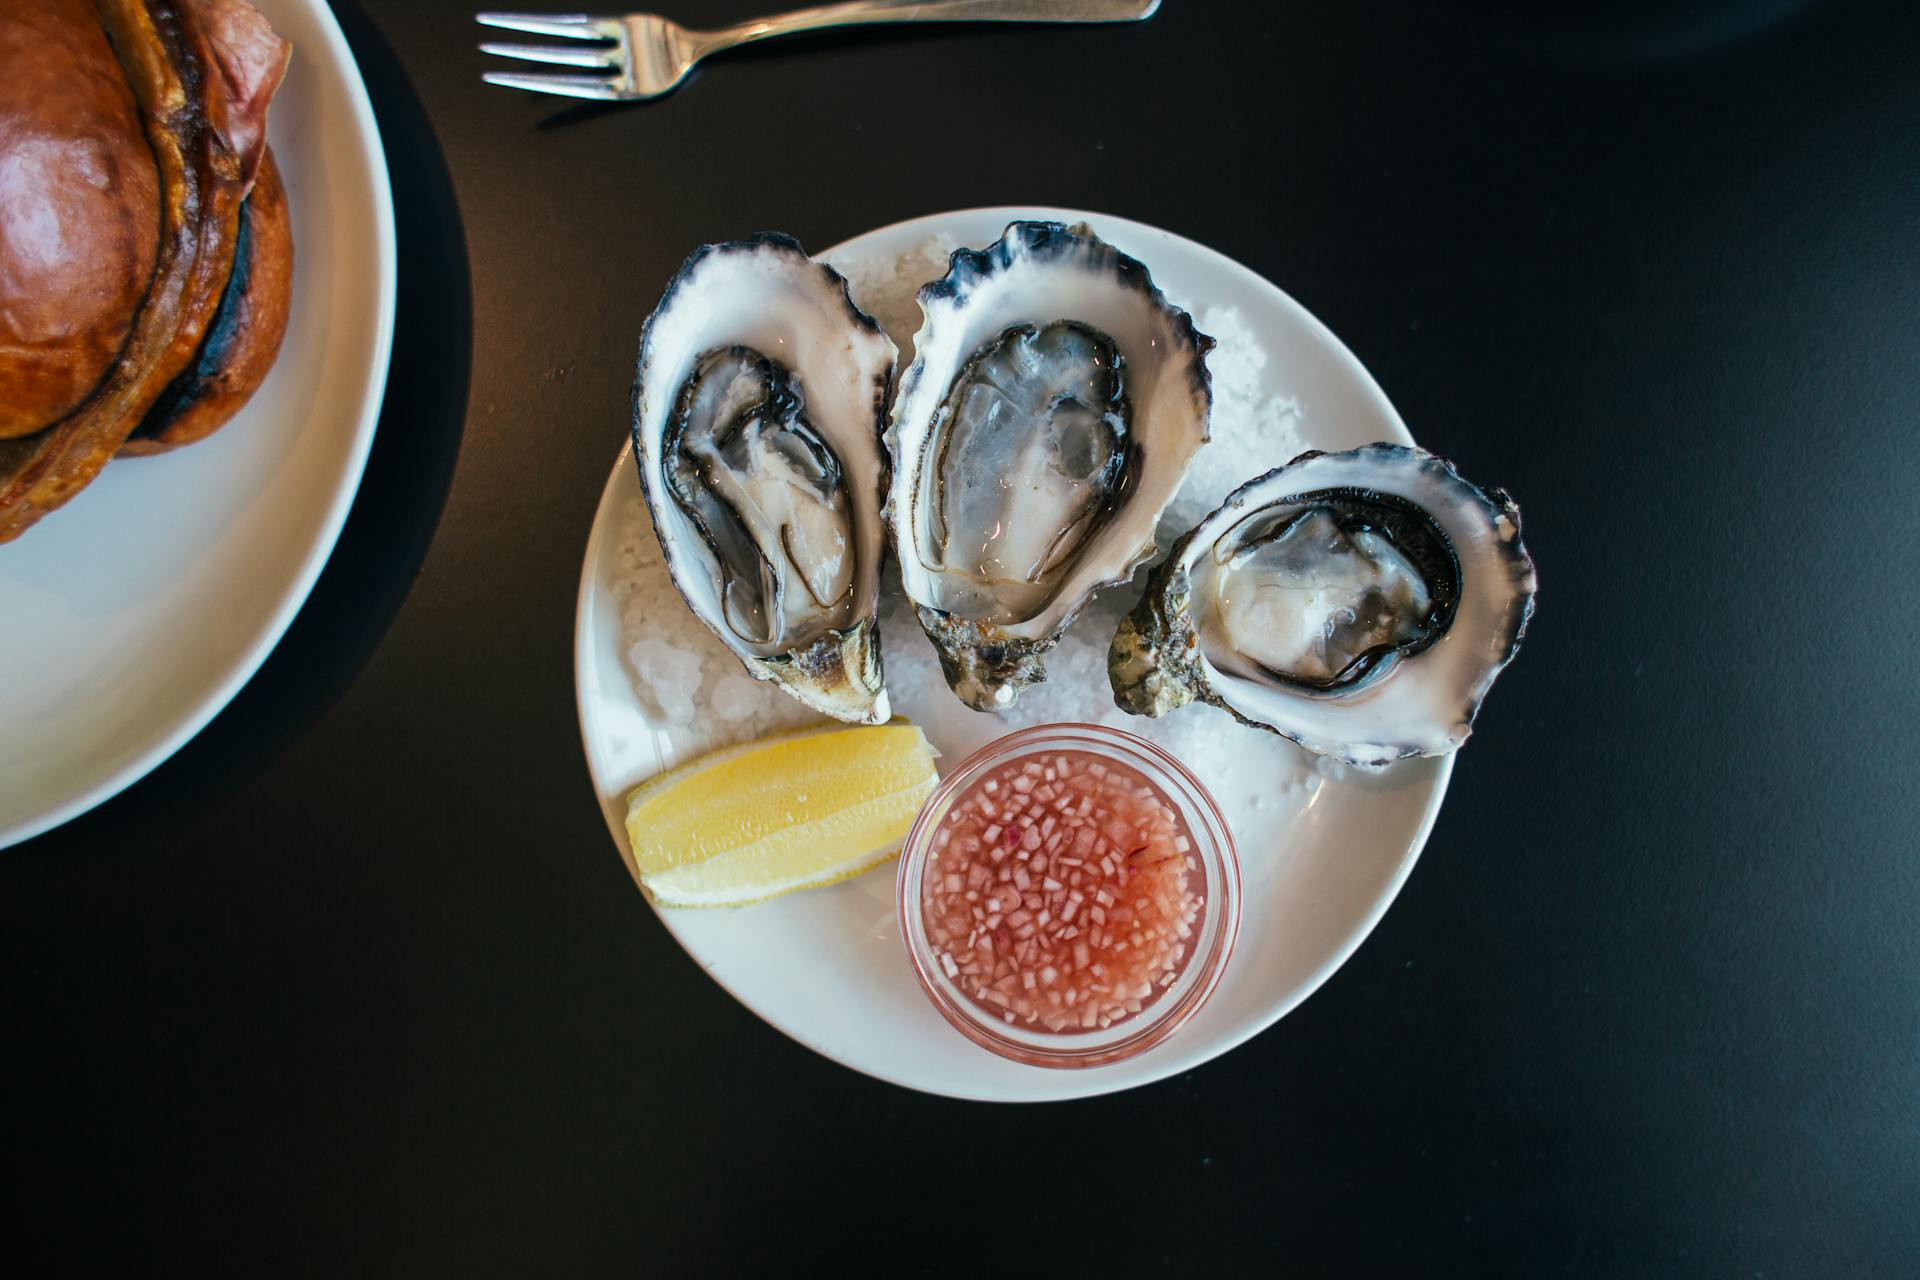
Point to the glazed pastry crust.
(166, 61)
(245, 335)
(79, 210)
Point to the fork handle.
(866, 11)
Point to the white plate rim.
(1171, 1064)
(372, 395)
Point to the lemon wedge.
(791, 812)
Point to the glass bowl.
(1211, 859)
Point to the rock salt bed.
(886, 290)
(1252, 432)
(682, 673)
(706, 700)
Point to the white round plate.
(132, 615)
(1323, 850)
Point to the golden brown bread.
(201, 185)
(79, 209)
(243, 339)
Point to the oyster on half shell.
(1359, 603)
(757, 411)
(1053, 405)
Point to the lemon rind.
(658, 886)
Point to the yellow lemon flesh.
(792, 812)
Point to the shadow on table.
(393, 518)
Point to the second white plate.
(132, 615)
(1324, 851)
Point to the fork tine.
(565, 86)
(554, 55)
(561, 26)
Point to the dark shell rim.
(1048, 240)
(1513, 626)
(781, 242)
(965, 269)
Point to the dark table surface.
(356, 984)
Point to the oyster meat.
(1359, 603)
(1053, 405)
(757, 412)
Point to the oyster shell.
(757, 411)
(1053, 405)
(1359, 603)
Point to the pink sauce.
(1059, 892)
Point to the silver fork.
(649, 55)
